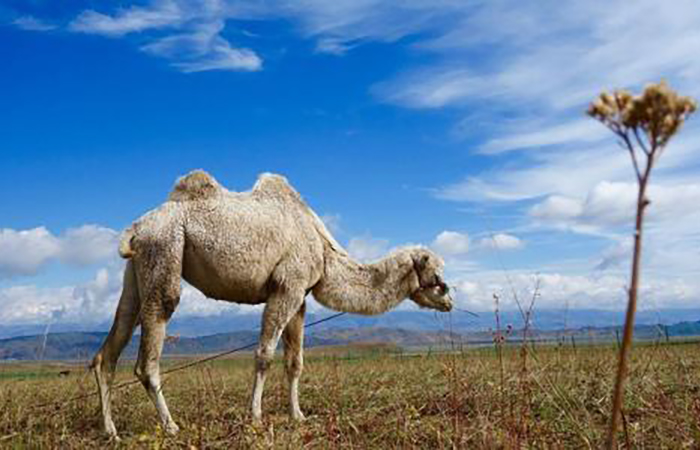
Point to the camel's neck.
(365, 288)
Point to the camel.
(261, 246)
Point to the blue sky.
(457, 125)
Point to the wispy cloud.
(193, 40)
(31, 23)
(203, 49)
(161, 14)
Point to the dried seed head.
(658, 112)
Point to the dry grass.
(380, 400)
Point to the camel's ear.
(420, 261)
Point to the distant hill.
(82, 345)
(685, 329)
(422, 320)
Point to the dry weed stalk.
(524, 380)
(498, 341)
(644, 124)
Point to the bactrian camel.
(262, 246)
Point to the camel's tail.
(126, 251)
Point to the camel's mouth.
(434, 297)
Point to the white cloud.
(556, 208)
(615, 256)
(474, 291)
(88, 244)
(193, 40)
(594, 47)
(25, 252)
(611, 204)
(502, 241)
(367, 248)
(432, 89)
(162, 14)
(451, 243)
(31, 23)
(90, 303)
(579, 131)
(203, 49)
(93, 302)
(565, 173)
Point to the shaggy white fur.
(262, 246)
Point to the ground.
(366, 397)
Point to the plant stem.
(618, 393)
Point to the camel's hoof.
(172, 429)
(111, 431)
(298, 416)
(257, 422)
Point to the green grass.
(369, 399)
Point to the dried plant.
(644, 124)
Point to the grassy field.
(548, 397)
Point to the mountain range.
(418, 320)
(82, 345)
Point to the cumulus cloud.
(25, 252)
(475, 291)
(451, 243)
(94, 302)
(501, 241)
(91, 302)
(88, 244)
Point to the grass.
(379, 399)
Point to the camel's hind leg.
(105, 361)
(148, 370)
(159, 287)
(293, 338)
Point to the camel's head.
(432, 290)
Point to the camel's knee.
(294, 366)
(103, 367)
(96, 363)
(263, 359)
(147, 374)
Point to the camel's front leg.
(293, 339)
(280, 308)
